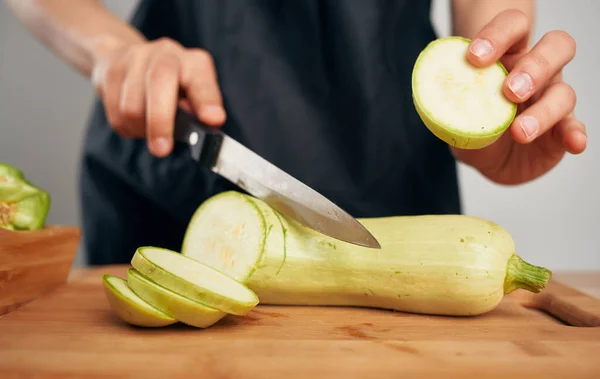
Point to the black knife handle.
(204, 141)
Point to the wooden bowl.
(33, 263)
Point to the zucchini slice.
(461, 104)
(194, 280)
(180, 308)
(129, 307)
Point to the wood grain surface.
(72, 332)
(33, 263)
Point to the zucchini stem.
(520, 274)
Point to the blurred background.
(44, 106)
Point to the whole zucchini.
(433, 264)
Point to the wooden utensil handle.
(566, 311)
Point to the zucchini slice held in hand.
(461, 104)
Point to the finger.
(507, 32)
(113, 82)
(571, 133)
(534, 69)
(199, 79)
(162, 88)
(556, 103)
(133, 99)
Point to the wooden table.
(72, 332)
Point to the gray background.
(554, 220)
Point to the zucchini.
(176, 306)
(461, 104)
(23, 206)
(131, 308)
(194, 280)
(454, 265)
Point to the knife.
(212, 148)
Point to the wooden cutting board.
(72, 332)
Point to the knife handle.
(204, 141)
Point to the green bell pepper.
(23, 206)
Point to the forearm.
(470, 16)
(79, 32)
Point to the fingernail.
(161, 145)
(481, 48)
(215, 111)
(521, 84)
(583, 137)
(530, 126)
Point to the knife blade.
(212, 148)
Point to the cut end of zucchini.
(180, 308)
(129, 307)
(223, 226)
(461, 104)
(194, 280)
